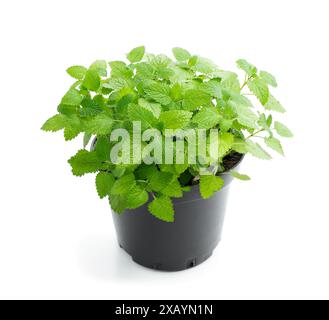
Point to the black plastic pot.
(187, 242)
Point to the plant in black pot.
(167, 138)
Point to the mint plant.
(160, 93)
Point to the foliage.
(161, 93)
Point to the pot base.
(177, 265)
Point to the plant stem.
(255, 133)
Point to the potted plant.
(167, 138)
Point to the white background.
(56, 236)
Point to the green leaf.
(274, 144)
(268, 78)
(92, 80)
(118, 203)
(175, 119)
(104, 183)
(173, 189)
(195, 98)
(101, 124)
(155, 108)
(72, 98)
(181, 54)
(204, 65)
(240, 145)
(116, 83)
(86, 139)
(120, 70)
(136, 54)
(209, 184)
(77, 72)
(246, 117)
(247, 67)
(73, 127)
(70, 123)
(260, 89)
(159, 92)
(231, 82)
(273, 104)
(160, 180)
(226, 141)
(282, 130)
(257, 151)
(162, 208)
(100, 66)
(102, 148)
(212, 88)
(206, 118)
(136, 198)
(124, 184)
(146, 117)
(55, 123)
(239, 176)
(85, 162)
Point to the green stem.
(255, 133)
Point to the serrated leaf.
(136, 198)
(181, 54)
(120, 70)
(226, 141)
(204, 65)
(195, 98)
(282, 130)
(145, 70)
(173, 189)
(155, 108)
(102, 148)
(160, 180)
(246, 117)
(77, 72)
(85, 162)
(212, 88)
(239, 176)
(257, 151)
(206, 118)
(138, 113)
(175, 119)
(55, 123)
(124, 184)
(162, 208)
(100, 66)
(246, 67)
(273, 104)
(118, 203)
(159, 92)
(238, 98)
(71, 132)
(260, 89)
(70, 123)
(268, 78)
(231, 82)
(274, 144)
(104, 183)
(116, 83)
(91, 80)
(209, 184)
(136, 54)
(72, 98)
(101, 124)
